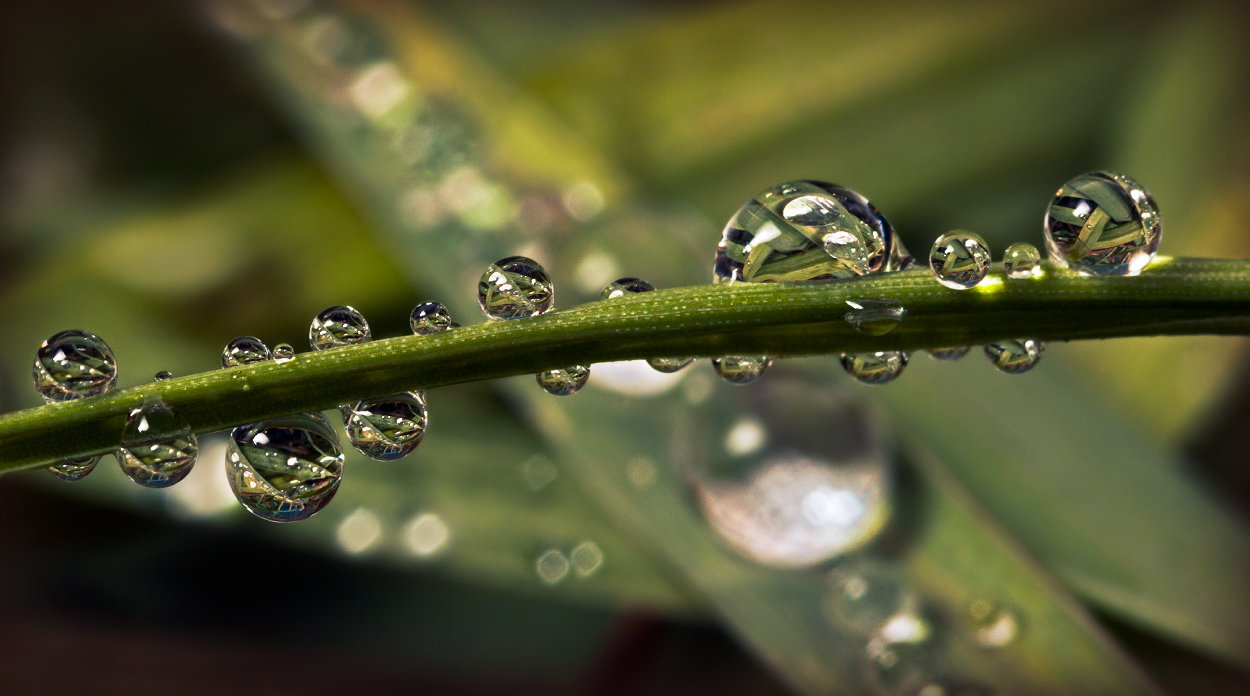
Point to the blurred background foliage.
(175, 175)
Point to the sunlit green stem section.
(1181, 296)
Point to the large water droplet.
(74, 469)
(875, 317)
(626, 286)
(283, 352)
(386, 428)
(337, 326)
(1102, 223)
(514, 288)
(878, 367)
(959, 259)
(285, 469)
(788, 474)
(1014, 357)
(563, 381)
(741, 369)
(1022, 260)
(244, 350)
(74, 365)
(993, 626)
(804, 230)
(949, 354)
(430, 318)
(158, 447)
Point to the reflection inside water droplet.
(158, 447)
(949, 354)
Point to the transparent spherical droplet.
(285, 469)
(163, 375)
(993, 625)
(949, 354)
(741, 369)
(430, 318)
(74, 469)
(514, 288)
(244, 350)
(1022, 260)
(563, 381)
(337, 326)
(669, 365)
(625, 286)
(74, 365)
(1102, 223)
(789, 474)
(386, 428)
(878, 367)
(1014, 356)
(875, 317)
(158, 447)
(959, 259)
(283, 352)
(863, 595)
(804, 230)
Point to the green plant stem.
(1181, 296)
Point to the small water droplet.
(741, 369)
(586, 557)
(949, 354)
(879, 367)
(994, 626)
(876, 317)
(1102, 223)
(74, 365)
(426, 534)
(244, 350)
(1014, 357)
(804, 230)
(626, 286)
(863, 595)
(386, 428)
(337, 326)
(285, 469)
(959, 259)
(898, 668)
(283, 352)
(551, 566)
(669, 365)
(158, 447)
(1022, 260)
(163, 375)
(563, 381)
(430, 318)
(74, 469)
(514, 288)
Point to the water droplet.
(804, 230)
(863, 595)
(898, 668)
(426, 534)
(158, 447)
(875, 368)
(285, 469)
(1022, 260)
(359, 531)
(741, 369)
(563, 381)
(74, 469)
(283, 352)
(960, 259)
(1014, 357)
(244, 350)
(337, 326)
(1102, 223)
(430, 318)
(388, 427)
(74, 365)
(163, 375)
(586, 557)
(669, 365)
(551, 566)
(874, 317)
(900, 258)
(625, 286)
(787, 477)
(994, 627)
(514, 288)
(949, 354)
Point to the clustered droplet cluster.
(288, 468)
